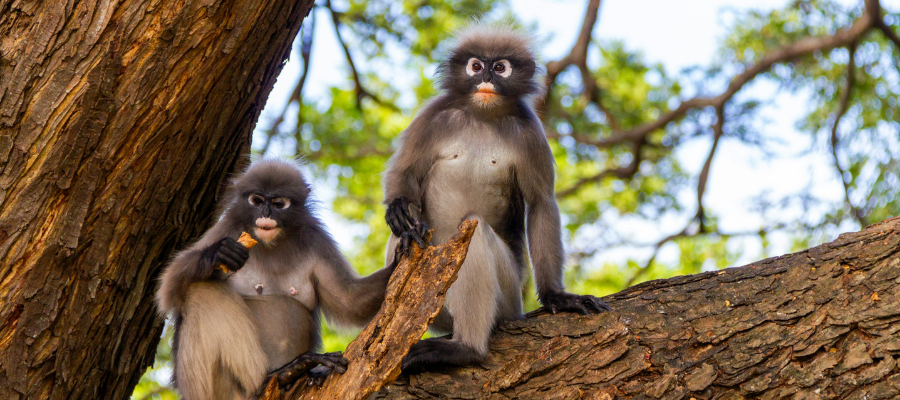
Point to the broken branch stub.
(414, 297)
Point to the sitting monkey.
(232, 328)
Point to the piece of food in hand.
(245, 240)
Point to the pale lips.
(485, 92)
(266, 229)
(486, 88)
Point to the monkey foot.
(438, 352)
(315, 366)
(585, 304)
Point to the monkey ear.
(306, 190)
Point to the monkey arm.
(413, 158)
(197, 263)
(346, 298)
(535, 176)
(545, 246)
(545, 242)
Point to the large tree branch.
(820, 323)
(119, 120)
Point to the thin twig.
(625, 172)
(842, 109)
(718, 131)
(306, 40)
(578, 56)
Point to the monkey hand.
(398, 216)
(418, 233)
(563, 301)
(228, 252)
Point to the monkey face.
(266, 228)
(490, 67)
(492, 80)
(269, 200)
(486, 93)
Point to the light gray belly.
(464, 182)
(286, 328)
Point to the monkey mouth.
(266, 229)
(485, 94)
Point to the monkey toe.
(333, 361)
(584, 304)
(406, 239)
(317, 376)
(597, 304)
(306, 363)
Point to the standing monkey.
(233, 328)
(478, 151)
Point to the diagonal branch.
(360, 90)
(578, 56)
(789, 52)
(842, 109)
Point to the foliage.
(607, 188)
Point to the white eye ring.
(281, 203)
(255, 200)
(470, 70)
(507, 70)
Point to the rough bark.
(414, 297)
(119, 120)
(819, 324)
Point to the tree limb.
(820, 323)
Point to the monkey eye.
(503, 68)
(281, 203)
(256, 199)
(474, 66)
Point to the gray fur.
(462, 159)
(231, 329)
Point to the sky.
(678, 35)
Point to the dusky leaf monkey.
(478, 151)
(232, 329)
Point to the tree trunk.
(819, 324)
(119, 121)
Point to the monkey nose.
(487, 77)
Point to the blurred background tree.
(786, 138)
